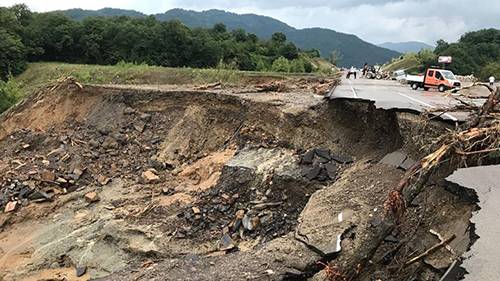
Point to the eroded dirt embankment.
(152, 184)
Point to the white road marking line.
(352, 89)
(428, 105)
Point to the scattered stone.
(308, 157)
(250, 223)
(80, 271)
(139, 126)
(150, 177)
(48, 176)
(46, 162)
(61, 180)
(146, 117)
(196, 210)
(103, 180)
(167, 190)
(26, 146)
(128, 111)
(226, 243)
(92, 197)
(240, 214)
(10, 207)
(104, 131)
(156, 164)
(94, 143)
(110, 143)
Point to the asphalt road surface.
(392, 95)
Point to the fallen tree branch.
(430, 250)
(479, 134)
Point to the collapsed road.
(213, 182)
(391, 95)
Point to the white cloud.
(373, 20)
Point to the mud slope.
(219, 184)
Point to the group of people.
(354, 71)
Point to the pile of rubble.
(323, 164)
(84, 156)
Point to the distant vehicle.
(434, 78)
(398, 75)
(373, 72)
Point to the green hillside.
(352, 49)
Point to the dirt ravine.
(161, 183)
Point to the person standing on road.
(492, 80)
(353, 71)
(365, 69)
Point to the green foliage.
(489, 70)
(281, 65)
(426, 58)
(356, 51)
(12, 59)
(9, 94)
(124, 41)
(473, 53)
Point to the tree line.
(27, 36)
(475, 53)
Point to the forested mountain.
(80, 14)
(351, 49)
(406, 47)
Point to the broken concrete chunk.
(407, 164)
(150, 177)
(10, 207)
(308, 157)
(92, 197)
(398, 159)
(394, 159)
(331, 170)
(342, 159)
(323, 153)
(481, 261)
(313, 173)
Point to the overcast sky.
(376, 21)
